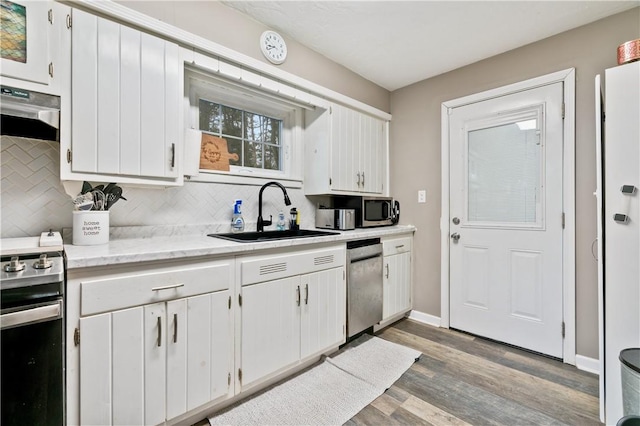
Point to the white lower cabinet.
(153, 362)
(285, 321)
(397, 277)
(163, 344)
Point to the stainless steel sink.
(252, 237)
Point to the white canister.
(90, 227)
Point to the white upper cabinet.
(26, 27)
(35, 45)
(345, 152)
(126, 104)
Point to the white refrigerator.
(618, 178)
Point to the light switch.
(422, 196)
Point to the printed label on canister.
(90, 227)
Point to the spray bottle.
(237, 222)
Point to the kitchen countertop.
(170, 247)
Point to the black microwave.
(371, 211)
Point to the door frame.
(567, 77)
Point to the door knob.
(455, 237)
(455, 221)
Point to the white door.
(506, 219)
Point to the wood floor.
(462, 379)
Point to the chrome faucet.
(261, 222)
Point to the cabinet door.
(155, 361)
(198, 351)
(323, 311)
(122, 368)
(397, 284)
(95, 371)
(371, 167)
(25, 40)
(270, 336)
(125, 100)
(345, 167)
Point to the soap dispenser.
(280, 224)
(295, 223)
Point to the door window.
(504, 170)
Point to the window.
(262, 132)
(252, 137)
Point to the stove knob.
(14, 266)
(43, 262)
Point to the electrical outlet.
(422, 196)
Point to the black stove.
(32, 332)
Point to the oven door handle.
(33, 315)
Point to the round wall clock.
(273, 47)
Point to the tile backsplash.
(34, 200)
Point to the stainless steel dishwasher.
(364, 285)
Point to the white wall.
(33, 199)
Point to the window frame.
(236, 95)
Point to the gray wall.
(228, 27)
(415, 161)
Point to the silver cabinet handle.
(298, 295)
(167, 287)
(387, 274)
(173, 155)
(159, 331)
(175, 328)
(362, 178)
(36, 314)
(358, 181)
(306, 294)
(400, 246)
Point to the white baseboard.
(587, 364)
(425, 318)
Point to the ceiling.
(396, 43)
